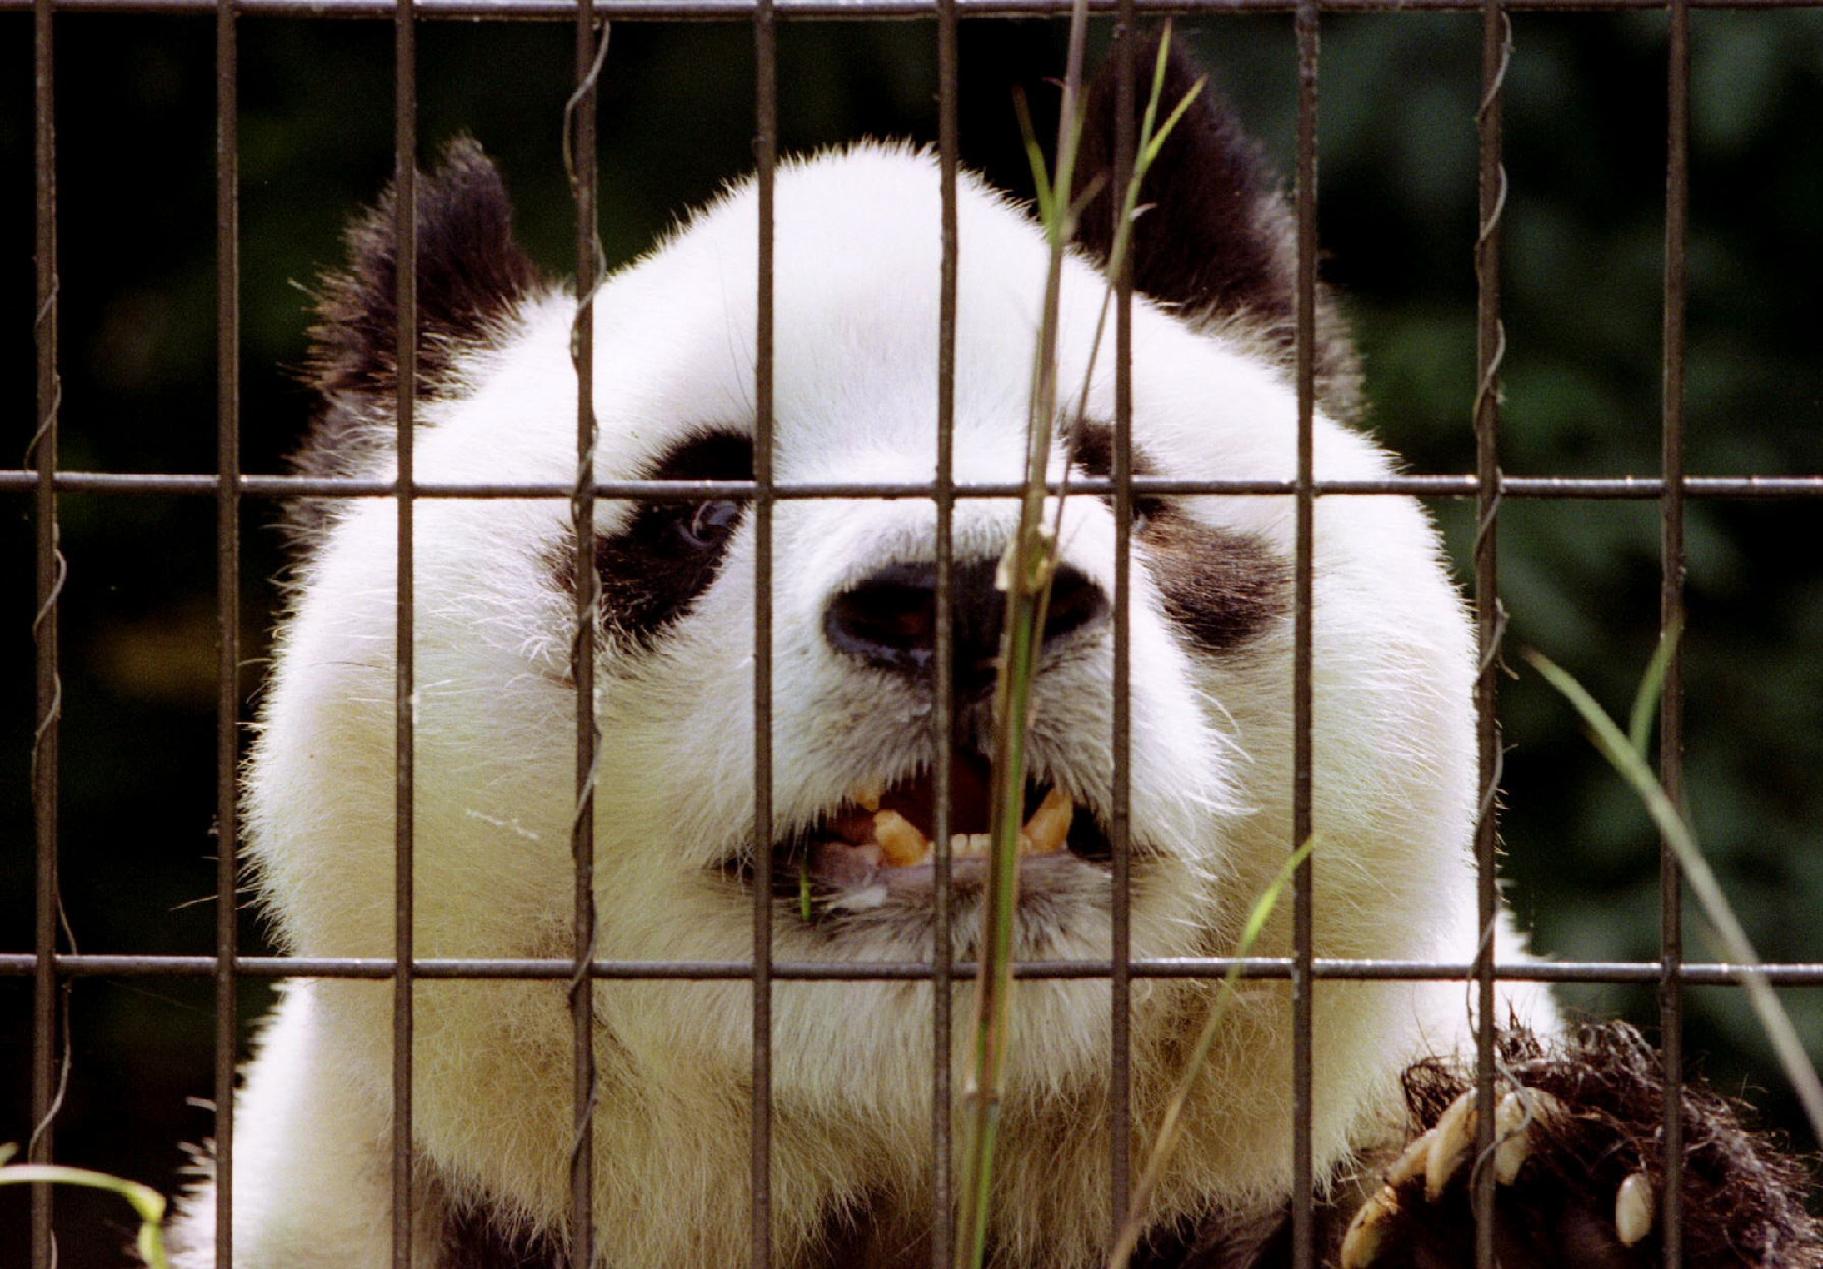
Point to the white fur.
(856, 311)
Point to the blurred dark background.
(1585, 118)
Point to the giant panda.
(856, 315)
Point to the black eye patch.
(667, 554)
(1220, 587)
(1092, 450)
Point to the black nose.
(889, 620)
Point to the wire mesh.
(51, 970)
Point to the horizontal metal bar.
(1600, 488)
(827, 10)
(91, 965)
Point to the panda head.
(856, 316)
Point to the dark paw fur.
(1579, 1171)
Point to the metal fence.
(1488, 486)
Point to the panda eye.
(709, 524)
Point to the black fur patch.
(471, 277)
(668, 553)
(1216, 237)
(472, 1239)
(1224, 1241)
(1220, 587)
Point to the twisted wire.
(588, 592)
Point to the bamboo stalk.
(1025, 575)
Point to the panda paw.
(1406, 1220)
(1578, 1169)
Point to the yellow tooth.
(1045, 832)
(901, 844)
(968, 845)
(867, 796)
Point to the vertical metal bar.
(228, 603)
(44, 632)
(1671, 618)
(1490, 618)
(582, 653)
(943, 686)
(582, 152)
(1120, 981)
(1303, 1218)
(766, 140)
(405, 228)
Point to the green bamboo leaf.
(1034, 156)
(1025, 574)
(1157, 140)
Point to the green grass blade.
(147, 1202)
(1645, 701)
(1170, 1126)
(1622, 754)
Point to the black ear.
(1215, 237)
(471, 276)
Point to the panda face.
(852, 600)
(852, 606)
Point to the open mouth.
(876, 844)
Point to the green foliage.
(146, 1202)
(1628, 757)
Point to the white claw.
(1368, 1229)
(1411, 1160)
(1511, 1136)
(1450, 1142)
(1519, 1110)
(1633, 1209)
